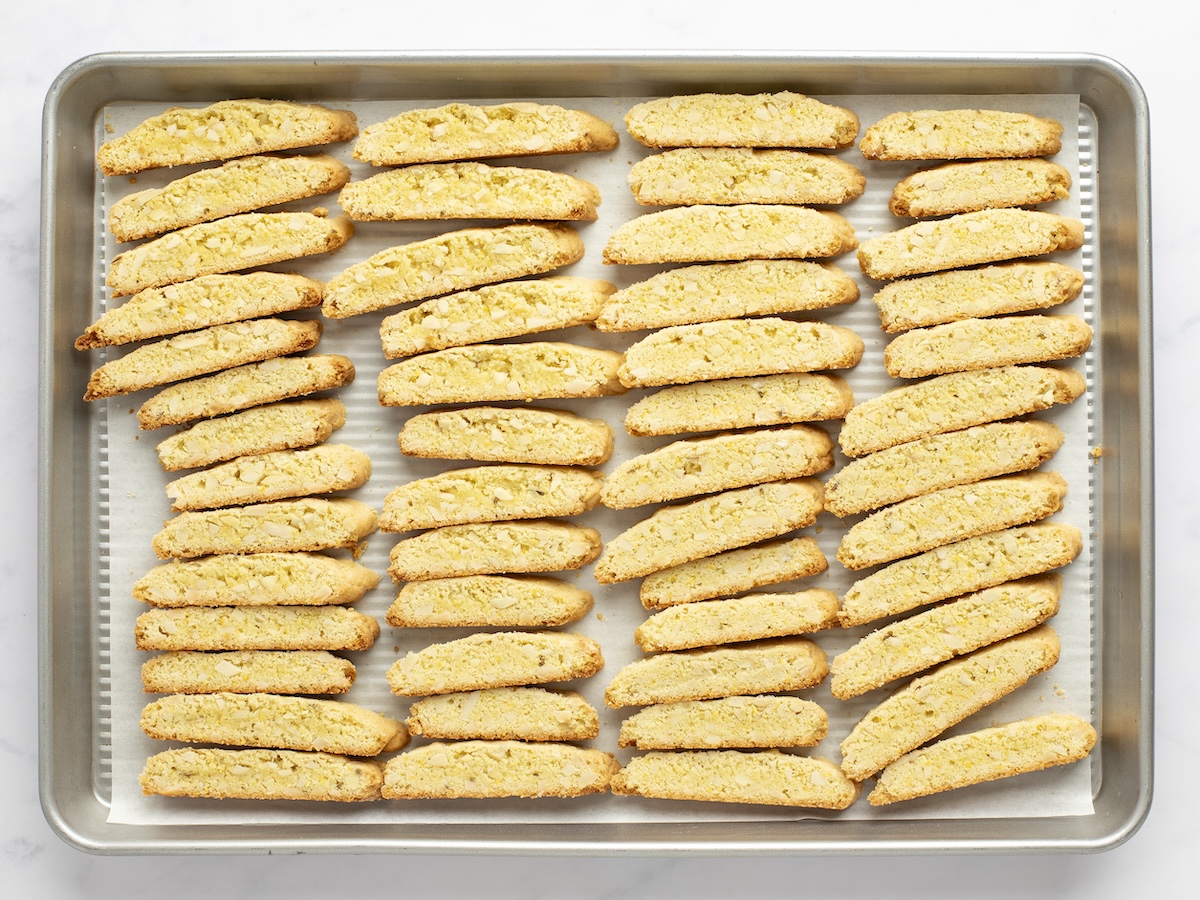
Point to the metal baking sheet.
(92, 492)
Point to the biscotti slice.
(951, 514)
(1027, 745)
(726, 175)
(239, 186)
(929, 705)
(256, 579)
(967, 239)
(698, 528)
(223, 130)
(953, 570)
(488, 601)
(768, 777)
(495, 659)
(753, 617)
(720, 463)
(726, 722)
(232, 244)
(985, 184)
(493, 312)
(738, 348)
(469, 131)
(280, 526)
(453, 261)
(272, 721)
(954, 402)
(975, 293)
(782, 119)
(493, 769)
(733, 571)
(470, 190)
(201, 352)
(290, 425)
(952, 629)
(549, 437)
(256, 628)
(705, 233)
(535, 370)
(222, 774)
(940, 461)
(505, 714)
(961, 134)
(763, 667)
(200, 303)
(256, 384)
(729, 403)
(247, 672)
(494, 548)
(705, 293)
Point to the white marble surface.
(40, 39)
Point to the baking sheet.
(133, 505)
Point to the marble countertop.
(42, 39)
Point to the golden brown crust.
(960, 134)
(258, 774)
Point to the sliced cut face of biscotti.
(961, 134)
(494, 548)
(247, 672)
(272, 721)
(495, 659)
(753, 617)
(725, 175)
(200, 303)
(470, 190)
(243, 387)
(952, 629)
(951, 514)
(290, 425)
(232, 244)
(223, 130)
(493, 312)
(985, 184)
(733, 571)
(738, 348)
(699, 528)
(727, 722)
(468, 131)
(728, 403)
(505, 714)
(1027, 745)
(489, 769)
(454, 261)
(488, 601)
(280, 526)
(782, 119)
(202, 352)
(710, 233)
(985, 344)
(548, 437)
(485, 373)
(762, 667)
(965, 567)
(768, 777)
(256, 579)
(940, 461)
(706, 465)
(996, 290)
(929, 705)
(239, 186)
(256, 628)
(967, 239)
(954, 402)
(712, 291)
(258, 774)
